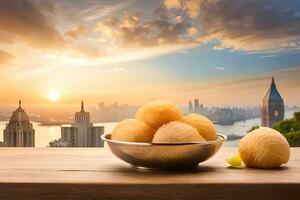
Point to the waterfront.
(45, 134)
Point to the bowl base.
(167, 168)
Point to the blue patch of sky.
(296, 7)
(202, 63)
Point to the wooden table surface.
(94, 173)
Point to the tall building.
(272, 106)
(196, 106)
(191, 108)
(82, 133)
(19, 131)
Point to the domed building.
(272, 106)
(19, 131)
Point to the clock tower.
(272, 106)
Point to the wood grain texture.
(94, 173)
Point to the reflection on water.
(45, 134)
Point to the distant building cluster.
(82, 133)
(224, 115)
(271, 112)
(196, 108)
(114, 112)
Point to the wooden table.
(77, 173)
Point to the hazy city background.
(47, 121)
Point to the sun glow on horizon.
(53, 95)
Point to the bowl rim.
(221, 138)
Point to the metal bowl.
(164, 155)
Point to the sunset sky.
(223, 52)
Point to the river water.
(45, 134)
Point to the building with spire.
(272, 106)
(19, 131)
(82, 133)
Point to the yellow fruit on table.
(264, 148)
(204, 126)
(176, 132)
(157, 113)
(235, 162)
(132, 130)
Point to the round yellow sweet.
(132, 130)
(157, 113)
(264, 148)
(176, 132)
(204, 126)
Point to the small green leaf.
(235, 162)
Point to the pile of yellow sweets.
(162, 122)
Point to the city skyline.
(137, 51)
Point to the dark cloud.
(134, 30)
(255, 25)
(5, 57)
(25, 20)
(47, 6)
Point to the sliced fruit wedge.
(235, 162)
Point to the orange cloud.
(76, 31)
(5, 57)
(23, 19)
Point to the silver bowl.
(164, 155)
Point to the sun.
(53, 95)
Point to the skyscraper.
(82, 133)
(19, 131)
(196, 106)
(272, 106)
(191, 108)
